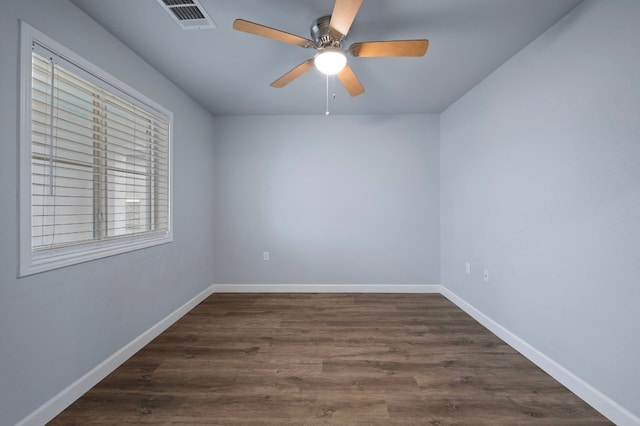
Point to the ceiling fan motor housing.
(322, 35)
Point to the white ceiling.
(229, 72)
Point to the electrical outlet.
(265, 256)
(467, 268)
(485, 276)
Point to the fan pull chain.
(333, 87)
(327, 96)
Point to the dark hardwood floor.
(307, 359)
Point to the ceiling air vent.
(189, 14)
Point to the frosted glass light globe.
(330, 61)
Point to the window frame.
(29, 263)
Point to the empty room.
(285, 212)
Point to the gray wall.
(56, 326)
(335, 200)
(540, 184)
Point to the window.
(94, 161)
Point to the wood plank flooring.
(341, 359)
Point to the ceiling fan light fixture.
(330, 61)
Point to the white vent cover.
(189, 14)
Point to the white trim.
(71, 393)
(97, 250)
(327, 288)
(24, 159)
(599, 401)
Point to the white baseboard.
(327, 288)
(605, 405)
(62, 400)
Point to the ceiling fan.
(327, 34)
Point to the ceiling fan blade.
(272, 33)
(293, 74)
(350, 81)
(390, 48)
(344, 12)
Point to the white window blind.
(99, 163)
